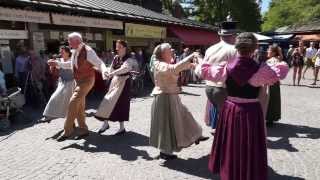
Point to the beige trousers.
(76, 109)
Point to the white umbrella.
(262, 37)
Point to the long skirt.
(121, 110)
(58, 103)
(239, 150)
(274, 106)
(211, 115)
(172, 125)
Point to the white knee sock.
(121, 126)
(105, 124)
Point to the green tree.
(247, 12)
(289, 12)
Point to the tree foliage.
(288, 12)
(247, 12)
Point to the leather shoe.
(62, 138)
(122, 132)
(81, 136)
(167, 156)
(202, 138)
(103, 128)
(100, 118)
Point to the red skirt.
(239, 150)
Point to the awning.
(310, 37)
(262, 37)
(193, 37)
(283, 37)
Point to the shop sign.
(145, 31)
(24, 16)
(13, 34)
(4, 41)
(59, 19)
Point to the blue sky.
(265, 5)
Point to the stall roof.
(119, 9)
(310, 37)
(195, 37)
(262, 37)
(312, 26)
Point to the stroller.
(10, 105)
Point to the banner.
(13, 34)
(59, 19)
(145, 31)
(24, 16)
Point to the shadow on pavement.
(286, 131)
(22, 120)
(123, 145)
(199, 168)
(189, 94)
(195, 167)
(272, 175)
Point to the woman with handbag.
(59, 101)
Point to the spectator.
(289, 54)
(3, 88)
(310, 54)
(21, 69)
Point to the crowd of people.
(242, 89)
(303, 57)
(242, 93)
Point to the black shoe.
(62, 138)
(100, 118)
(82, 136)
(202, 138)
(167, 156)
(270, 123)
(120, 133)
(103, 129)
(46, 120)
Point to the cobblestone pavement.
(31, 151)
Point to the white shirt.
(91, 57)
(218, 54)
(311, 52)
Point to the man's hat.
(228, 28)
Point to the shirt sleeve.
(163, 67)
(268, 75)
(64, 65)
(214, 73)
(126, 67)
(97, 62)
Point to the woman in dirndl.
(115, 105)
(59, 101)
(239, 150)
(273, 112)
(172, 125)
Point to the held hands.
(192, 65)
(52, 62)
(108, 75)
(197, 58)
